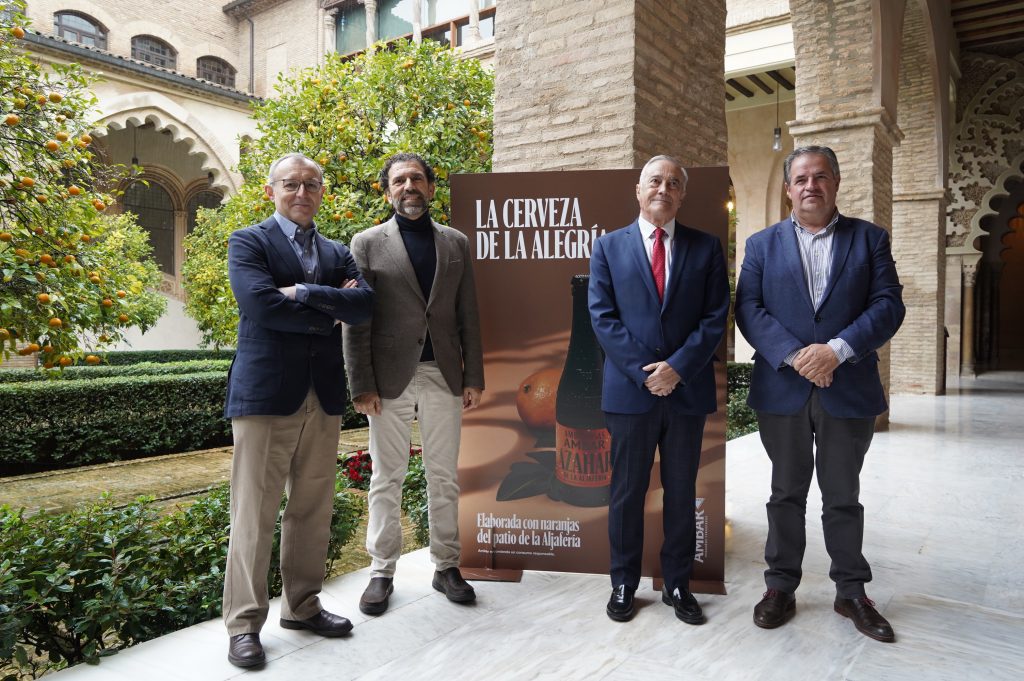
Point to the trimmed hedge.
(740, 419)
(77, 585)
(56, 424)
(142, 369)
(123, 357)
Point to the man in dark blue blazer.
(659, 299)
(286, 397)
(818, 295)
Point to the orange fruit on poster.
(535, 399)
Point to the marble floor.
(942, 491)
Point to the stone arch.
(151, 107)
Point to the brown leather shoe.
(324, 623)
(451, 584)
(775, 609)
(374, 600)
(865, 618)
(245, 650)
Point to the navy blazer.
(635, 329)
(862, 304)
(284, 346)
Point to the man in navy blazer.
(818, 295)
(659, 298)
(285, 399)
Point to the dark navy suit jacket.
(635, 329)
(862, 304)
(284, 346)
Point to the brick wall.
(577, 88)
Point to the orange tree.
(70, 277)
(349, 116)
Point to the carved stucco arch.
(150, 107)
(987, 149)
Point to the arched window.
(155, 51)
(79, 28)
(216, 71)
(208, 198)
(154, 209)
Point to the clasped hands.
(816, 363)
(662, 380)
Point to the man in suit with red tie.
(818, 294)
(659, 298)
(286, 396)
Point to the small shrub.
(414, 497)
(77, 585)
(740, 419)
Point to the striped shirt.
(816, 257)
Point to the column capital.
(877, 117)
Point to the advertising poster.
(534, 466)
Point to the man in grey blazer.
(418, 358)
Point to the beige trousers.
(273, 454)
(427, 399)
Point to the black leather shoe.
(620, 605)
(325, 624)
(775, 609)
(245, 650)
(686, 606)
(451, 584)
(374, 600)
(865, 618)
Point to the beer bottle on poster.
(583, 445)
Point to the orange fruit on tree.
(65, 361)
(56, 323)
(92, 359)
(123, 318)
(18, 32)
(121, 294)
(47, 349)
(32, 347)
(349, 214)
(43, 298)
(62, 136)
(95, 279)
(85, 238)
(74, 190)
(6, 236)
(12, 119)
(107, 302)
(52, 145)
(69, 259)
(535, 399)
(56, 97)
(86, 138)
(4, 335)
(41, 100)
(99, 205)
(466, 102)
(42, 198)
(27, 181)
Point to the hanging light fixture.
(777, 133)
(135, 147)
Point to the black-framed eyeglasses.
(292, 186)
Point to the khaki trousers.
(273, 454)
(427, 399)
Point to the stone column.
(970, 274)
(473, 32)
(577, 88)
(417, 21)
(371, 22)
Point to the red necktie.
(658, 262)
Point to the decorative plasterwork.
(141, 108)
(987, 146)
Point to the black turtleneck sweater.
(418, 237)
